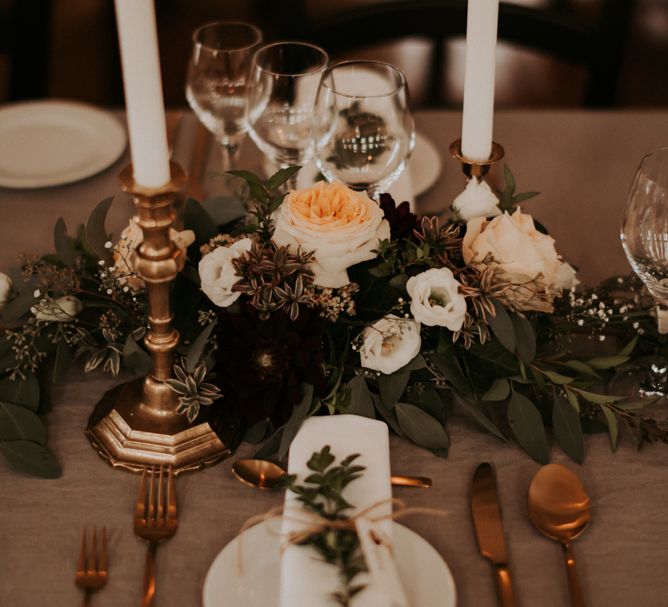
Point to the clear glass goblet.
(284, 84)
(644, 236)
(363, 127)
(218, 78)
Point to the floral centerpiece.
(323, 301)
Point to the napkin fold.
(306, 580)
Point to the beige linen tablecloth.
(583, 163)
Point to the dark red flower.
(261, 366)
(402, 221)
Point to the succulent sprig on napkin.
(322, 494)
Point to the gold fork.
(92, 570)
(155, 519)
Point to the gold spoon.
(559, 508)
(263, 474)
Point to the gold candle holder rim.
(496, 155)
(178, 179)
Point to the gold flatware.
(92, 569)
(155, 519)
(489, 530)
(559, 509)
(264, 474)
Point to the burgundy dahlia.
(402, 221)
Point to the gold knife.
(489, 530)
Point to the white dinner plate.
(426, 578)
(424, 165)
(46, 143)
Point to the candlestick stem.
(137, 423)
(476, 168)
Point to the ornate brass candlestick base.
(474, 168)
(136, 424)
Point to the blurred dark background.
(554, 53)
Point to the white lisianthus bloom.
(218, 275)
(5, 289)
(527, 257)
(477, 200)
(436, 300)
(342, 227)
(125, 251)
(63, 309)
(390, 343)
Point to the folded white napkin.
(306, 580)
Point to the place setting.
(362, 368)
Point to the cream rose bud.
(342, 227)
(477, 200)
(218, 275)
(5, 289)
(125, 251)
(63, 309)
(436, 300)
(390, 343)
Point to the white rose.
(5, 289)
(390, 343)
(342, 227)
(477, 200)
(436, 300)
(63, 309)
(218, 274)
(527, 256)
(125, 252)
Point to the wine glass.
(644, 236)
(217, 83)
(284, 84)
(363, 127)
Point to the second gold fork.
(155, 519)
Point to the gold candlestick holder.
(136, 424)
(475, 168)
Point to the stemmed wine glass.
(363, 126)
(644, 236)
(217, 83)
(284, 84)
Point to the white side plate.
(426, 578)
(424, 165)
(46, 143)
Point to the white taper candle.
(478, 118)
(142, 82)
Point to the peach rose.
(125, 252)
(525, 255)
(342, 227)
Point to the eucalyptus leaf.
(62, 360)
(96, 234)
(607, 362)
(256, 432)
(628, 348)
(502, 326)
(270, 446)
(524, 196)
(24, 392)
(599, 399)
(580, 367)
(247, 176)
(499, 390)
(567, 429)
(510, 179)
(281, 176)
(393, 386)
(387, 414)
(420, 427)
(527, 426)
(18, 307)
(197, 219)
(196, 350)
(19, 423)
(361, 402)
(31, 458)
(478, 415)
(63, 244)
(613, 427)
(449, 368)
(299, 414)
(224, 209)
(557, 378)
(526, 338)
